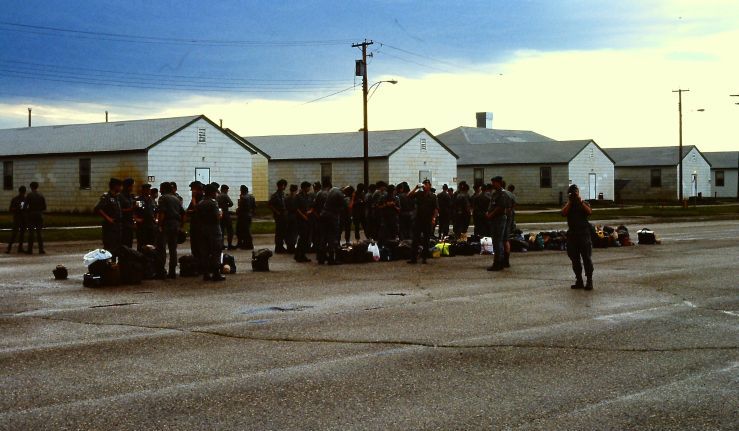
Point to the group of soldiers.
(313, 217)
(157, 216)
(27, 210)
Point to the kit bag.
(227, 259)
(89, 280)
(260, 260)
(188, 266)
(646, 236)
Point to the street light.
(365, 158)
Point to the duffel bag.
(188, 266)
(646, 236)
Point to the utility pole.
(29, 117)
(680, 146)
(361, 69)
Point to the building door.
(592, 186)
(202, 175)
(694, 188)
(424, 175)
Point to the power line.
(132, 38)
(329, 95)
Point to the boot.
(578, 284)
(506, 260)
(589, 284)
(497, 266)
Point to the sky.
(568, 69)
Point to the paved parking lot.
(383, 345)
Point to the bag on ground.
(646, 236)
(260, 260)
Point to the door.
(592, 187)
(202, 175)
(424, 175)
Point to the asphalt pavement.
(383, 346)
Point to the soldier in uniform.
(461, 209)
(510, 224)
(225, 203)
(109, 208)
(331, 200)
(277, 204)
(291, 234)
(407, 212)
(244, 215)
(177, 195)
(579, 241)
(427, 209)
(358, 211)
(35, 207)
(303, 211)
(126, 199)
(170, 219)
(389, 210)
(18, 209)
(145, 217)
(209, 218)
(196, 190)
(500, 205)
(314, 215)
(444, 201)
(481, 205)
(346, 215)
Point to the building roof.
(647, 156)
(348, 145)
(136, 135)
(549, 152)
(481, 135)
(723, 159)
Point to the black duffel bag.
(646, 236)
(260, 260)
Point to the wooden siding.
(526, 180)
(729, 190)
(259, 177)
(592, 160)
(695, 163)
(344, 172)
(406, 163)
(58, 177)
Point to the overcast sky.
(567, 69)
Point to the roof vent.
(484, 120)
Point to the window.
(545, 177)
(326, 172)
(85, 173)
(479, 176)
(7, 175)
(423, 144)
(202, 175)
(656, 177)
(719, 178)
(201, 135)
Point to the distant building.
(410, 155)
(73, 163)
(651, 173)
(724, 173)
(484, 136)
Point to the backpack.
(260, 260)
(188, 266)
(227, 259)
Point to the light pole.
(365, 91)
(680, 146)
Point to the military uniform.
(302, 205)
(127, 201)
(445, 212)
(579, 243)
(18, 209)
(170, 218)
(208, 217)
(291, 224)
(332, 205)
(196, 228)
(359, 214)
(111, 206)
(277, 202)
(500, 200)
(225, 203)
(146, 230)
(35, 207)
(461, 212)
(407, 214)
(244, 215)
(427, 207)
(480, 205)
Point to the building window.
(656, 177)
(545, 177)
(479, 176)
(7, 175)
(423, 144)
(201, 135)
(719, 178)
(326, 172)
(85, 173)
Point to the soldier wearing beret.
(209, 218)
(109, 208)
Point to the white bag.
(486, 245)
(375, 250)
(96, 255)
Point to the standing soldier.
(279, 213)
(510, 224)
(145, 216)
(358, 211)
(461, 209)
(579, 242)
(291, 234)
(35, 207)
(109, 208)
(211, 240)
(170, 218)
(303, 211)
(427, 209)
(126, 200)
(407, 212)
(346, 215)
(332, 202)
(225, 203)
(244, 215)
(500, 205)
(444, 201)
(18, 209)
(177, 195)
(481, 205)
(196, 190)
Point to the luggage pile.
(608, 236)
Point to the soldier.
(376, 200)
(196, 191)
(510, 224)
(369, 224)
(303, 211)
(277, 204)
(358, 211)
(389, 210)
(225, 203)
(244, 215)
(170, 217)
(18, 209)
(314, 215)
(480, 207)
(145, 217)
(209, 218)
(444, 201)
(35, 207)
(500, 205)
(331, 200)
(461, 209)
(109, 208)
(126, 199)
(427, 209)
(579, 242)
(407, 212)
(177, 195)
(291, 231)
(346, 215)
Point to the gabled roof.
(348, 145)
(723, 159)
(549, 153)
(647, 156)
(481, 135)
(244, 142)
(136, 135)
